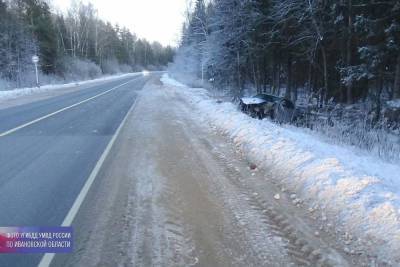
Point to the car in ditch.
(266, 105)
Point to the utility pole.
(35, 60)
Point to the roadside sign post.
(35, 60)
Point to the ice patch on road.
(361, 192)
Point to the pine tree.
(37, 15)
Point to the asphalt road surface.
(49, 148)
(173, 193)
(160, 186)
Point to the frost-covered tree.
(393, 44)
(38, 18)
(17, 45)
(345, 50)
(74, 45)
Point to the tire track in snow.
(303, 252)
(179, 242)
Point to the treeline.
(346, 51)
(75, 45)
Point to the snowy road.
(48, 149)
(173, 193)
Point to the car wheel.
(242, 107)
(252, 112)
(260, 114)
(272, 113)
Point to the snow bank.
(359, 192)
(12, 94)
(394, 103)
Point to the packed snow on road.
(357, 194)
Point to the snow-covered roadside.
(359, 193)
(15, 93)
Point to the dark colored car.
(265, 105)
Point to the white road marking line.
(48, 257)
(61, 110)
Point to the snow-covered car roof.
(261, 98)
(252, 100)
